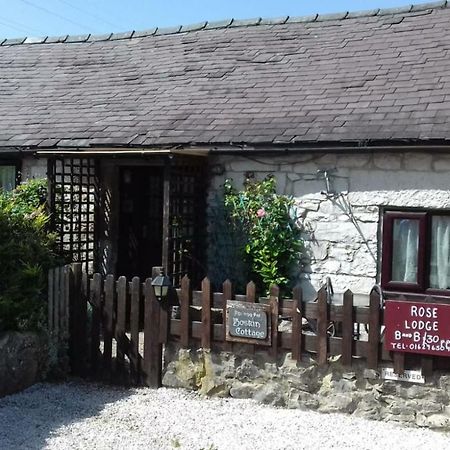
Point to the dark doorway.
(140, 220)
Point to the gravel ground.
(90, 416)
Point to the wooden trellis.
(186, 221)
(74, 203)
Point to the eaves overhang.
(122, 152)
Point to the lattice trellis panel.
(74, 200)
(187, 222)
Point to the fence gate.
(114, 328)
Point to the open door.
(140, 234)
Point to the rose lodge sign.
(417, 327)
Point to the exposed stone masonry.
(332, 388)
(23, 359)
(342, 227)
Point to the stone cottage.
(136, 131)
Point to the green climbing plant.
(272, 244)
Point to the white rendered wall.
(33, 167)
(342, 230)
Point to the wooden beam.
(206, 314)
(185, 300)
(166, 217)
(227, 294)
(347, 329)
(322, 325)
(152, 346)
(374, 331)
(296, 344)
(274, 294)
(135, 288)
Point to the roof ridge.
(227, 23)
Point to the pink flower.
(261, 212)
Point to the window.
(416, 252)
(8, 176)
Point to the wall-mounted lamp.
(161, 285)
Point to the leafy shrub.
(27, 251)
(272, 242)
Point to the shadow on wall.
(224, 256)
(29, 419)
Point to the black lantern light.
(161, 285)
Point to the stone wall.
(331, 388)
(23, 358)
(343, 225)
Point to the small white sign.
(412, 376)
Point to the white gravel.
(90, 416)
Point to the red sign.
(417, 327)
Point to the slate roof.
(381, 75)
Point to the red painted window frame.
(423, 274)
(386, 268)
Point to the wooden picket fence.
(202, 313)
(115, 328)
(359, 335)
(58, 304)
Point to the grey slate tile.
(99, 37)
(16, 41)
(168, 30)
(275, 21)
(392, 11)
(56, 39)
(218, 24)
(145, 33)
(118, 36)
(366, 13)
(194, 27)
(430, 5)
(302, 19)
(35, 40)
(78, 38)
(245, 22)
(333, 16)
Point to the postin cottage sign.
(248, 322)
(415, 327)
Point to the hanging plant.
(272, 235)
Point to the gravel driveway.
(90, 416)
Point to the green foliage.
(272, 242)
(27, 251)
